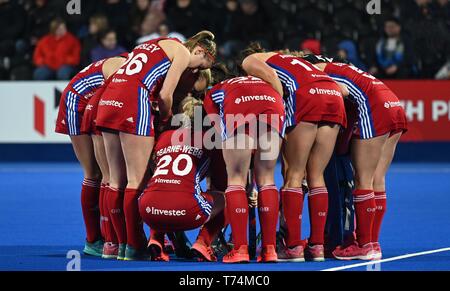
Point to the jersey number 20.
(165, 162)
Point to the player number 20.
(165, 162)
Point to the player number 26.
(166, 161)
(134, 64)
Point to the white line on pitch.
(388, 260)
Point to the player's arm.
(180, 62)
(256, 67)
(344, 89)
(111, 66)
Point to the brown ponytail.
(204, 39)
(253, 48)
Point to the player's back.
(88, 80)
(294, 72)
(181, 163)
(354, 78)
(146, 66)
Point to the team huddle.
(149, 126)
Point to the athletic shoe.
(168, 247)
(355, 252)
(182, 245)
(315, 253)
(94, 249)
(268, 255)
(157, 251)
(238, 256)
(295, 255)
(203, 253)
(110, 251)
(121, 252)
(132, 254)
(377, 253)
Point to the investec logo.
(112, 103)
(162, 212)
(245, 99)
(319, 91)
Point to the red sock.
(380, 200)
(101, 200)
(212, 228)
(115, 209)
(90, 191)
(237, 214)
(292, 203)
(110, 233)
(268, 207)
(318, 209)
(365, 206)
(135, 228)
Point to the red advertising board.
(427, 106)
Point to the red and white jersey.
(354, 78)
(294, 72)
(180, 165)
(379, 109)
(147, 66)
(88, 80)
(245, 96)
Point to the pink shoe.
(157, 252)
(315, 253)
(378, 254)
(296, 255)
(268, 255)
(110, 251)
(355, 252)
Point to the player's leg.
(208, 233)
(379, 186)
(319, 158)
(114, 194)
(137, 152)
(296, 152)
(111, 243)
(365, 157)
(237, 159)
(90, 192)
(265, 162)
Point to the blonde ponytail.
(187, 108)
(204, 39)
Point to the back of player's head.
(219, 73)
(188, 107)
(253, 48)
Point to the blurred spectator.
(151, 21)
(12, 32)
(138, 12)
(185, 17)
(248, 24)
(108, 46)
(311, 46)
(57, 54)
(348, 51)
(163, 31)
(39, 17)
(97, 24)
(393, 52)
(442, 12)
(117, 13)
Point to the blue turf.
(40, 220)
